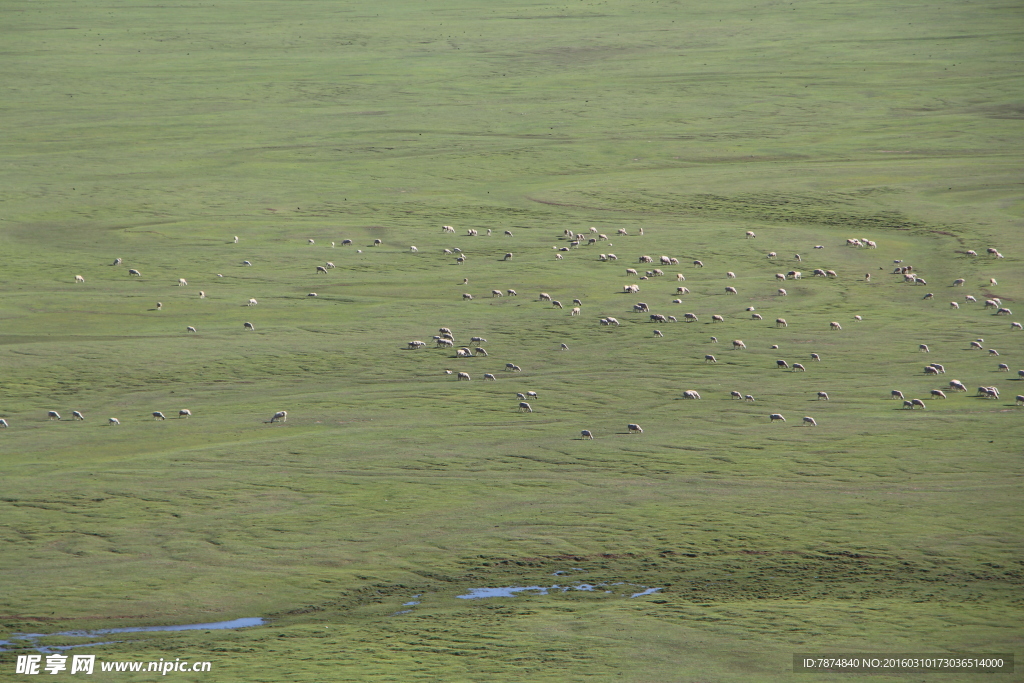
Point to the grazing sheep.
(524, 407)
(991, 303)
(917, 403)
(774, 417)
(1004, 311)
(698, 264)
(467, 296)
(923, 348)
(507, 256)
(710, 359)
(246, 263)
(413, 249)
(463, 375)
(794, 274)
(815, 356)
(956, 385)
(731, 275)
(822, 396)
(772, 254)
(113, 421)
(798, 366)
(773, 347)
(809, 421)
(690, 393)
(463, 353)
(1003, 367)
(781, 364)
(992, 281)
(489, 376)
(929, 370)
(159, 306)
(3, 423)
(988, 392)
(311, 294)
(993, 352)
(329, 264)
(738, 344)
(756, 316)
(511, 292)
(730, 290)
(184, 412)
(132, 271)
(959, 282)
(248, 326)
(939, 368)
(631, 271)
(750, 234)
(53, 415)
(818, 272)
(657, 333)
(690, 317)
(447, 228)
(531, 394)
(558, 257)
(496, 293)
(478, 340)
(835, 326)
(157, 415)
(634, 428)
(938, 393)
(480, 351)
(717, 319)
(586, 434)
(75, 415)
(929, 295)
(748, 397)
(116, 262)
(908, 404)
(281, 415)
(797, 257)
(377, 243)
(976, 345)
(953, 304)
(735, 394)
(1016, 326)
(344, 242)
(714, 340)
(896, 393)
(612, 257)
(556, 304)
(312, 242)
(190, 329)
(202, 294)
(575, 311)
(252, 302)
(79, 278)
(1020, 402)
(858, 318)
(521, 395)
(781, 322)
(544, 296)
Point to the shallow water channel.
(32, 639)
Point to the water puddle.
(511, 591)
(32, 639)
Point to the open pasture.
(156, 135)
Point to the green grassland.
(156, 133)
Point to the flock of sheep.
(445, 338)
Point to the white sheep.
(113, 421)
(633, 428)
(738, 344)
(53, 415)
(507, 256)
(248, 326)
(781, 364)
(800, 367)
(489, 376)
(815, 357)
(730, 290)
(710, 359)
(781, 322)
(1003, 367)
(756, 316)
(116, 262)
(157, 415)
(835, 326)
(993, 352)
(544, 296)
(76, 415)
(184, 412)
(159, 306)
(690, 317)
(775, 417)
(524, 407)
(79, 278)
(3, 423)
(690, 393)
(938, 393)
(321, 269)
(1016, 326)
(953, 304)
(467, 296)
(189, 328)
(253, 302)
(413, 249)
(202, 294)
(511, 292)
(917, 403)
(976, 345)
(132, 271)
(1020, 402)
(246, 263)
(182, 282)
(496, 293)
(311, 294)
(281, 415)
(809, 421)
(576, 311)
(822, 396)
(957, 385)
(330, 264)
(736, 395)
(750, 234)
(587, 434)
(897, 394)
(698, 264)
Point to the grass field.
(157, 133)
